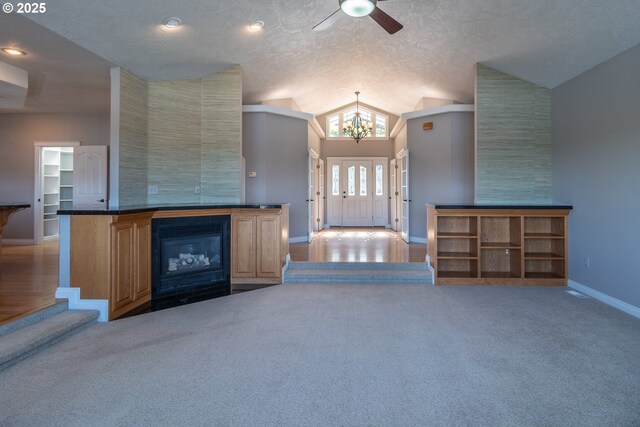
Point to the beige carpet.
(343, 355)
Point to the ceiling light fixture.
(357, 8)
(172, 22)
(357, 128)
(13, 51)
(256, 26)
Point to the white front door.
(90, 177)
(393, 196)
(357, 207)
(334, 192)
(379, 192)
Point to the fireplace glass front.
(190, 255)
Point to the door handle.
(101, 200)
(309, 200)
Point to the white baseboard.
(18, 241)
(609, 300)
(76, 303)
(417, 240)
(302, 239)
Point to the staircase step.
(296, 265)
(342, 275)
(35, 317)
(28, 340)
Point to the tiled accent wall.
(513, 139)
(174, 141)
(133, 139)
(222, 136)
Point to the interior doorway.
(53, 187)
(357, 192)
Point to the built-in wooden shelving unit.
(484, 245)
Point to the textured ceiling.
(543, 41)
(63, 77)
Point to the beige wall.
(18, 132)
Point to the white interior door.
(310, 198)
(357, 207)
(404, 191)
(90, 177)
(393, 195)
(320, 194)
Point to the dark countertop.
(10, 205)
(154, 208)
(503, 206)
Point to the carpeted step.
(24, 342)
(35, 317)
(358, 274)
(295, 265)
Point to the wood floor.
(29, 274)
(28, 279)
(358, 245)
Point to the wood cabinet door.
(143, 260)
(122, 267)
(268, 247)
(243, 244)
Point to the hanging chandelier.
(357, 128)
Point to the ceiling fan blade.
(389, 24)
(329, 21)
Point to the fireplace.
(190, 259)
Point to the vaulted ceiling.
(543, 41)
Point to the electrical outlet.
(587, 263)
(197, 189)
(153, 189)
(252, 174)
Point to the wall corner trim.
(76, 303)
(280, 111)
(442, 109)
(609, 300)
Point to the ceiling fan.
(358, 9)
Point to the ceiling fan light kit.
(357, 8)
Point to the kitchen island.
(113, 260)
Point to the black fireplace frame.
(205, 284)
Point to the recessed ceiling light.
(256, 26)
(13, 51)
(172, 22)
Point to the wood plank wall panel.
(513, 146)
(174, 141)
(222, 136)
(133, 139)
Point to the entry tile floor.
(366, 244)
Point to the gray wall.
(513, 139)
(18, 132)
(275, 147)
(441, 165)
(596, 148)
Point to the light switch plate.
(252, 174)
(153, 189)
